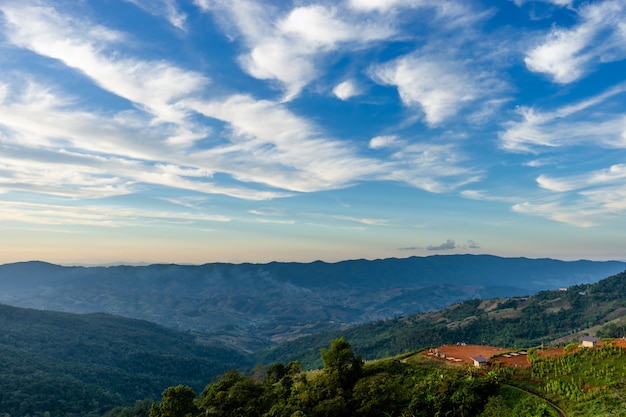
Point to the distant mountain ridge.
(253, 306)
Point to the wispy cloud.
(94, 215)
(569, 125)
(350, 219)
(442, 81)
(448, 14)
(585, 200)
(153, 85)
(567, 55)
(166, 8)
(46, 136)
(576, 215)
(290, 46)
(614, 175)
(266, 143)
(555, 2)
(433, 86)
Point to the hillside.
(255, 306)
(548, 317)
(79, 365)
(573, 381)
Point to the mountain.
(549, 317)
(254, 306)
(85, 364)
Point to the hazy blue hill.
(77, 363)
(253, 306)
(530, 274)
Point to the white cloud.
(429, 83)
(272, 146)
(566, 55)
(614, 175)
(316, 25)
(291, 46)
(56, 150)
(95, 215)
(165, 8)
(446, 14)
(350, 219)
(374, 5)
(569, 125)
(554, 184)
(426, 165)
(152, 85)
(562, 3)
(379, 142)
(575, 215)
(345, 90)
(588, 199)
(263, 151)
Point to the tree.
(378, 392)
(178, 401)
(341, 364)
(496, 407)
(234, 395)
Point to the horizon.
(140, 264)
(198, 131)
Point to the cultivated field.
(462, 354)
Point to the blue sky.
(247, 131)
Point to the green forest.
(582, 382)
(77, 365)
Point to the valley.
(98, 364)
(252, 307)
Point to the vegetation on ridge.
(581, 382)
(548, 317)
(85, 365)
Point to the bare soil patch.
(620, 342)
(462, 354)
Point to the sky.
(171, 131)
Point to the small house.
(479, 361)
(589, 341)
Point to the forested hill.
(257, 305)
(549, 317)
(74, 365)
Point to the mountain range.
(256, 306)
(66, 364)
